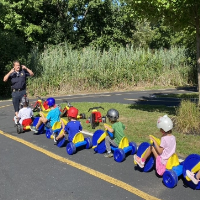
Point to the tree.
(180, 14)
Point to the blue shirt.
(72, 128)
(18, 79)
(54, 116)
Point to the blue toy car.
(98, 142)
(78, 141)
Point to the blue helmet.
(51, 102)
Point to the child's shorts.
(160, 168)
(48, 124)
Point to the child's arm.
(158, 148)
(63, 125)
(110, 129)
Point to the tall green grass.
(187, 118)
(61, 69)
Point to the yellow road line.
(88, 170)
(5, 106)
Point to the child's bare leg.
(40, 121)
(60, 136)
(155, 153)
(148, 153)
(198, 175)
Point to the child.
(194, 177)
(25, 114)
(52, 116)
(72, 127)
(166, 149)
(117, 130)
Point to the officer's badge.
(21, 74)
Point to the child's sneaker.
(15, 119)
(138, 161)
(191, 176)
(54, 137)
(33, 128)
(108, 155)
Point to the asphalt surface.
(26, 173)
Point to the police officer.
(18, 75)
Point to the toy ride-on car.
(191, 163)
(78, 141)
(173, 168)
(40, 105)
(98, 142)
(25, 126)
(95, 117)
(67, 107)
(56, 129)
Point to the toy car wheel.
(170, 178)
(101, 147)
(49, 132)
(71, 148)
(19, 129)
(89, 142)
(119, 155)
(82, 115)
(92, 121)
(150, 160)
(61, 142)
(134, 147)
(103, 119)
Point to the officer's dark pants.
(16, 98)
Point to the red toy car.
(95, 117)
(40, 105)
(67, 107)
(25, 126)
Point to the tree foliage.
(180, 14)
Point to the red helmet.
(72, 112)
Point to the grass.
(140, 121)
(60, 68)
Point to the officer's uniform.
(18, 86)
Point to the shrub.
(187, 119)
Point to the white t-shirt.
(25, 113)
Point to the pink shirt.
(168, 143)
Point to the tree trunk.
(198, 54)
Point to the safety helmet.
(51, 102)
(113, 115)
(72, 112)
(165, 123)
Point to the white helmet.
(165, 123)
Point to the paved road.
(40, 170)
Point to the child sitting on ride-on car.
(163, 151)
(117, 129)
(52, 116)
(25, 114)
(72, 127)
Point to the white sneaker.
(191, 176)
(15, 119)
(54, 137)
